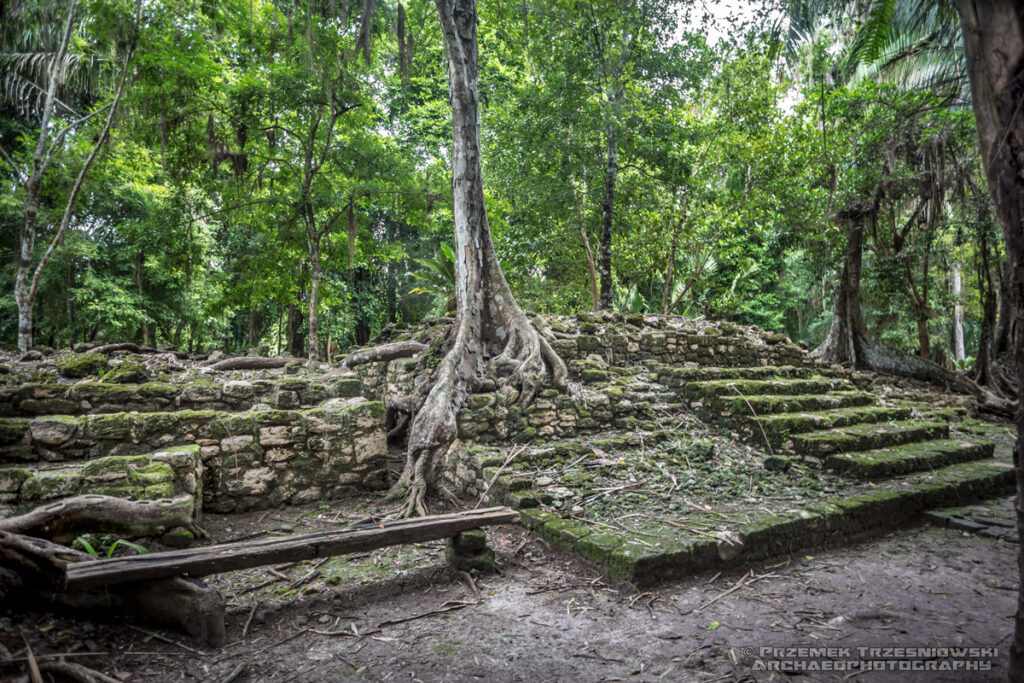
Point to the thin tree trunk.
(314, 299)
(993, 33)
(983, 361)
(595, 295)
(670, 268)
(607, 215)
(25, 288)
(959, 353)
(923, 343)
(27, 239)
(139, 262)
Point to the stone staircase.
(650, 430)
(227, 441)
(829, 421)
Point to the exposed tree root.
(384, 353)
(135, 348)
(32, 570)
(251, 363)
(491, 337)
(66, 519)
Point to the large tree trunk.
(845, 338)
(994, 45)
(491, 334)
(848, 341)
(1004, 331)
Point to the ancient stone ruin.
(686, 445)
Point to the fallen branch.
(67, 519)
(384, 353)
(76, 672)
(251, 363)
(450, 606)
(135, 348)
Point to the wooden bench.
(213, 559)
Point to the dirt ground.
(548, 617)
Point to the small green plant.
(88, 544)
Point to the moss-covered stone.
(469, 541)
(12, 431)
(128, 371)
(76, 365)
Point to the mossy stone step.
(865, 437)
(908, 458)
(778, 427)
(167, 473)
(675, 376)
(571, 449)
(740, 406)
(644, 561)
(697, 391)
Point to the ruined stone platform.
(227, 441)
(685, 445)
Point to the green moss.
(75, 365)
(12, 430)
(107, 393)
(111, 427)
(599, 547)
(564, 533)
(128, 371)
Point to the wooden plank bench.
(214, 559)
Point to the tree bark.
(959, 352)
(608, 209)
(138, 262)
(491, 334)
(26, 287)
(1003, 341)
(314, 299)
(65, 520)
(993, 33)
(384, 353)
(843, 341)
(849, 343)
(669, 272)
(250, 363)
(595, 293)
(32, 571)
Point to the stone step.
(780, 427)
(674, 376)
(740, 407)
(220, 393)
(167, 473)
(883, 463)
(702, 391)
(862, 437)
(258, 458)
(645, 560)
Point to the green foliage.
(223, 188)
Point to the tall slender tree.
(491, 333)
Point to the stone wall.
(169, 473)
(631, 367)
(53, 398)
(258, 458)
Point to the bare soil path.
(401, 614)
